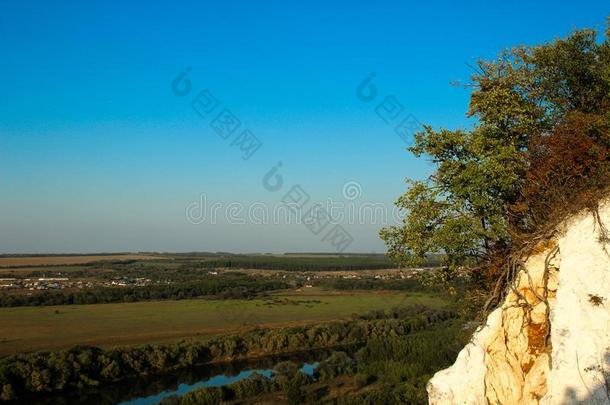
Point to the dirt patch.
(536, 338)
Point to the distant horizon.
(203, 252)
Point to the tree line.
(370, 283)
(299, 263)
(217, 287)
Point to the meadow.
(25, 329)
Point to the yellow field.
(58, 260)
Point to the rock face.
(556, 350)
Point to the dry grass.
(59, 260)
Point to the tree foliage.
(538, 150)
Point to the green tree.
(466, 208)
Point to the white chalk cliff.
(559, 357)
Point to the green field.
(42, 328)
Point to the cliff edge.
(549, 341)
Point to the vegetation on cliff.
(539, 150)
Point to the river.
(151, 390)
(216, 381)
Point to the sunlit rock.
(560, 352)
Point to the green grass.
(41, 328)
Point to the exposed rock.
(555, 350)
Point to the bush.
(338, 363)
(362, 380)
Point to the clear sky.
(97, 152)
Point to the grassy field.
(42, 328)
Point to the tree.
(482, 199)
(338, 363)
(284, 372)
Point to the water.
(151, 390)
(215, 381)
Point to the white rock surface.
(464, 382)
(506, 363)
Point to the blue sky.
(98, 154)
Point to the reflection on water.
(150, 390)
(216, 381)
